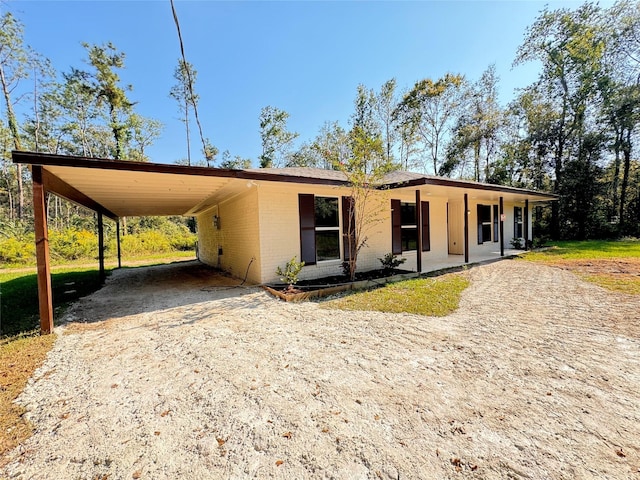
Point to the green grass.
(438, 296)
(19, 295)
(109, 260)
(589, 249)
(630, 286)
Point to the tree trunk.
(115, 128)
(626, 151)
(13, 128)
(616, 173)
(186, 124)
(476, 153)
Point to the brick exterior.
(262, 223)
(237, 236)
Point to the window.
(404, 226)
(327, 228)
(320, 227)
(496, 223)
(517, 222)
(484, 223)
(426, 230)
(409, 227)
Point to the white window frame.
(409, 226)
(331, 229)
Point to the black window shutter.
(307, 209)
(480, 240)
(426, 234)
(348, 226)
(496, 223)
(396, 228)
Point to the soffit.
(141, 193)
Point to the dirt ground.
(537, 375)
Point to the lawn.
(614, 265)
(590, 250)
(19, 295)
(434, 296)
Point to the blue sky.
(303, 57)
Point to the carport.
(116, 189)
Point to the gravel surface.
(179, 375)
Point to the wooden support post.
(526, 224)
(45, 297)
(419, 231)
(101, 246)
(118, 243)
(501, 227)
(466, 228)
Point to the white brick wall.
(238, 236)
(263, 223)
(208, 237)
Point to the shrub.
(390, 262)
(14, 250)
(517, 243)
(290, 274)
(145, 242)
(72, 244)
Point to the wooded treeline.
(573, 132)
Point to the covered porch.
(453, 261)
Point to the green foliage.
(105, 85)
(290, 274)
(276, 139)
(16, 251)
(425, 296)
(235, 163)
(391, 262)
(149, 241)
(151, 235)
(426, 114)
(70, 244)
(517, 243)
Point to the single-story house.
(302, 212)
(252, 221)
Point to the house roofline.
(447, 182)
(47, 159)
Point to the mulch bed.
(322, 287)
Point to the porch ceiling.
(121, 188)
(139, 193)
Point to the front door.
(455, 227)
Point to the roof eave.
(46, 159)
(445, 182)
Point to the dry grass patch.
(434, 297)
(614, 265)
(19, 358)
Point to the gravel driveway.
(537, 375)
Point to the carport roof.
(119, 188)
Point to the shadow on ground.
(145, 290)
